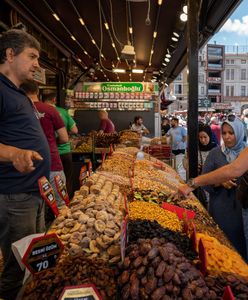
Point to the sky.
(235, 30)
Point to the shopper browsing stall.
(223, 204)
(106, 125)
(139, 127)
(178, 137)
(24, 154)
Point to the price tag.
(203, 258)
(61, 188)
(194, 239)
(123, 238)
(103, 155)
(48, 195)
(89, 168)
(111, 150)
(80, 292)
(228, 295)
(179, 211)
(125, 203)
(42, 253)
(83, 175)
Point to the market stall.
(128, 233)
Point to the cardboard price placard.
(123, 238)
(42, 253)
(203, 258)
(179, 211)
(228, 295)
(61, 188)
(83, 175)
(48, 195)
(80, 292)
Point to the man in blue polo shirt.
(24, 154)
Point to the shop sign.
(61, 189)
(80, 292)
(204, 103)
(222, 106)
(121, 87)
(43, 253)
(47, 194)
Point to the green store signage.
(121, 87)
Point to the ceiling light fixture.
(113, 45)
(160, 2)
(155, 34)
(138, 71)
(119, 71)
(174, 39)
(106, 25)
(79, 60)
(102, 56)
(183, 17)
(185, 9)
(73, 38)
(85, 52)
(168, 55)
(150, 64)
(81, 21)
(56, 17)
(130, 30)
(167, 59)
(93, 41)
(164, 64)
(152, 52)
(175, 34)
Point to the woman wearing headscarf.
(223, 205)
(205, 142)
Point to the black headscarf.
(208, 131)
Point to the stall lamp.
(138, 71)
(106, 26)
(113, 45)
(175, 34)
(185, 9)
(174, 39)
(81, 21)
(167, 59)
(85, 52)
(56, 17)
(183, 17)
(130, 30)
(73, 38)
(160, 2)
(119, 70)
(164, 64)
(154, 34)
(168, 55)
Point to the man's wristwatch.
(191, 183)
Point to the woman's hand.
(230, 184)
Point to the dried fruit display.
(149, 184)
(221, 258)
(106, 139)
(151, 196)
(84, 145)
(150, 211)
(130, 138)
(93, 222)
(156, 270)
(147, 230)
(74, 270)
(217, 284)
(117, 165)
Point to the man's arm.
(74, 129)
(233, 170)
(21, 159)
(62, 136)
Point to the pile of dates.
(106, 139)
(238, 284)
(71, 271)
(159, 271)
(147, 230)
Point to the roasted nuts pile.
(221, 258)
(148, 184)
(74, 270)
(155, 270)
(118, 165)
(150, 211)
(148, 230)
(93, 222)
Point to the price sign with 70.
(42, 253)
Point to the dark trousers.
(68, 170)
(20, 215)
(179, 151)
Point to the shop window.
(202, 90)
(227, 91)
(179, 77)
(178, 89)
(243, 61)
(227, 62)
(232, 91)
(243, 74)
(227, 74)
(232, 62)
(232, 74)
(243, 90)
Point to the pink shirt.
(107, 126)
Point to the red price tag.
(203, 258)
(228, 295)
(194, 239)
(48, 195)
(83, 175)
(61, 188)
(80, 292)
(123, 238)
(89, 168)
(43, 253)
(179, 211)
(126, 203)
